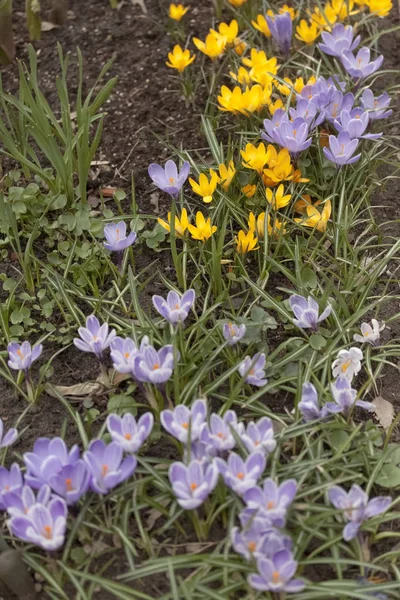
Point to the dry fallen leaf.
(384, 411)
(47, 26)
(89, 388)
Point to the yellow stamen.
(185, 425)
(270, 505)
(345, 366)
(104, 470)
(68, 485)
(240, 475)
(127, 436)
(48, 532)
(276, 578)
(251, 546)
(193, 486)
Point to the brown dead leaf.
(88, 388)
(384, 411)
(47, 26)
(108, 192)
(154, 200)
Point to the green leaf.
(69, 220)
(16, 316)
(59, 202)
(16, 330)
(338, 439)
(9, 284)
(120, 404)
(309, 278)
(317, 342)
(389, 476)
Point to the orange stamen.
(68, 485)
(193, 486)
(127, 436)
(48, 532)
(104, 470)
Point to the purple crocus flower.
(193, 483)
(10, 481)
(168, 179)
(259, 436)
(257, 537)
(72, 482)
(94, 337)
(241, 475)
(341, 149)
(203, 453)
(152, 366)
(345, 396)
(233, 333)
(175, 308)
(252, 369)
(9, 438)
(360, 66)
(309, 112)
(45, 526)
(128, 433)
(21, 357)
(356, 507)
(376, 106)
(123, 351)
(185, 423)
(219, 433)
(272, 501)
(20, 502)
(281, 29)
(309, 406)
(294, 136)
(340, 39)
(337, 103)
(307, 312)
(117, 240)
(355, 123)
(106, 466)
(276, 574)
(48, 458)
(272, 127)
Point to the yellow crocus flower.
(205, 188)
(181, 224)
(242, 76)
(277, 200)
(261, 25)
(227, 32)
(280, 167)
(299, 83)
(177, 11)
(344, 8)
(239, 46)
(257, 57)
(277, 228)
(257, 224)
(273, 106)
(226, 174)
(202, 230)
(231, 100)
(381, 8)
(290, 10)
(249, 190)
(285, 90)
(237, 3)
(255, 97)
(307, 33)
(324, 19)
(213, 47)
(255, 157)
(263, 73)
(179, 59)
(246, 242)
(315, 219)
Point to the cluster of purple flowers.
(344, 400)
(208, 453)
(341, 43)
(208, 446)
(326, 100)
(144, 363)
(61, 477)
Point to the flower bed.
(229, 439)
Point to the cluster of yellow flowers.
(206, 187)
(279, 164)
(202, 230)
(217, 42)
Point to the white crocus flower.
(348, 363)
(369, 333)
